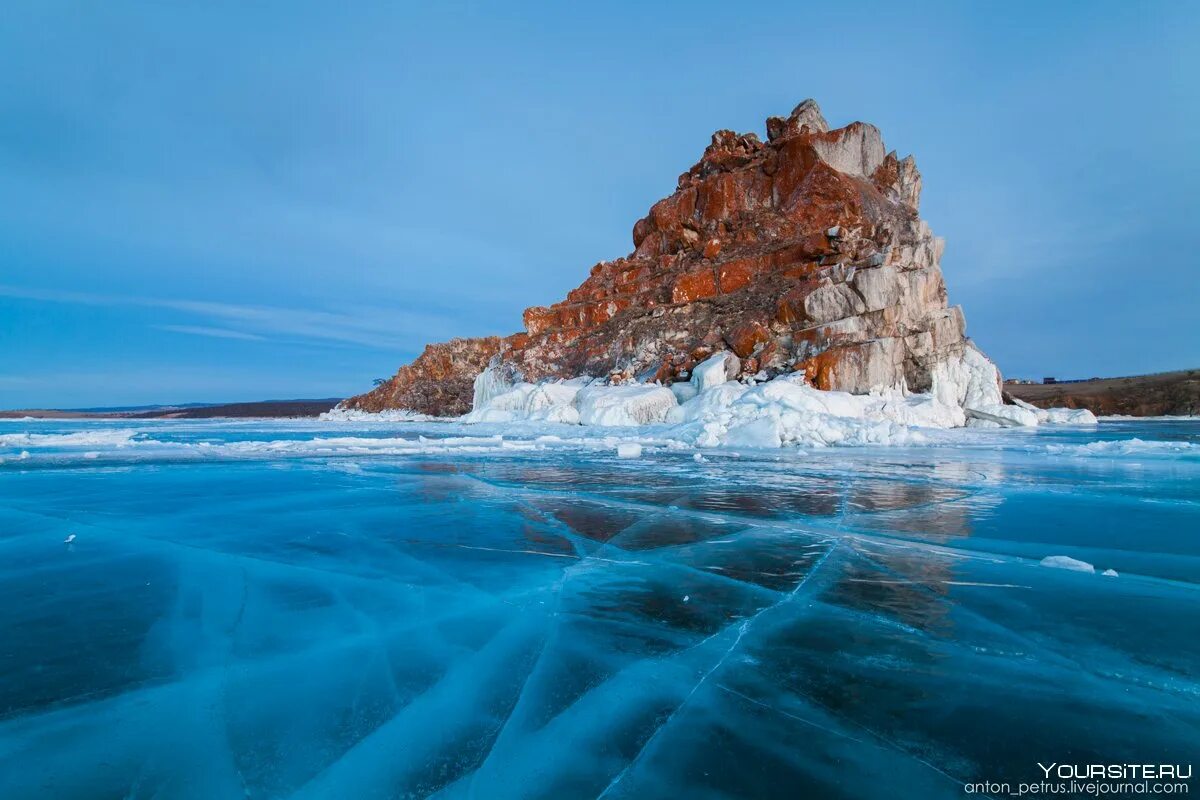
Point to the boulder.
(745, 338)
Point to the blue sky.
(213, 201)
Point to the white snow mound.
(710, 410)
(1058, 416)
(616, 406)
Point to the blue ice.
(320, 610)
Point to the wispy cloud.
(216, 333)
(384, 328)
(366, 326)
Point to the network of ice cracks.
(563, 623)
(389, 606)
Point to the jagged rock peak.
(801, 253)
(805, 118)
(808, 114)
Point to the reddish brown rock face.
(745, 339)
(439, 382)
(803, 252)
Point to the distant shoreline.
(266, 409)
(1158, 395)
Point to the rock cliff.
(805, 252)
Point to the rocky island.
(801, 255)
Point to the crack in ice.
(742, 629)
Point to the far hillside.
(261, 408)
(1162, 394)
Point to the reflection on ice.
(489, 621)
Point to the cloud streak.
(368, 327)
(216, 333)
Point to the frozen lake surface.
(276, 609)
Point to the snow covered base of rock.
(712, 411)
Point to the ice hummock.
(1068, 563)
(104, 437)
(710, 410)
(340, 414)
(629, 450)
